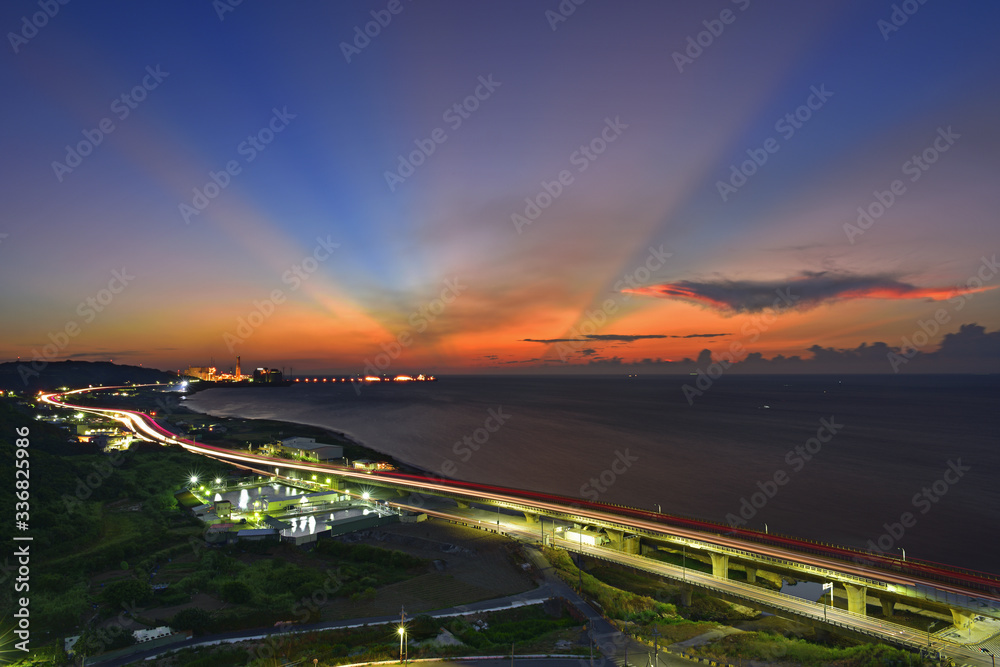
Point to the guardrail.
(813, 615)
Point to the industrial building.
(307, 449)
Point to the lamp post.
(765, 529)
(929, 626)
(829, 585)
(659, 510)
(992, 656)
(904, 553)
(402, 635)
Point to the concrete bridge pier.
(888, 607)
(686, 595)
(530, 517)
(617, 538)
(857, 598)
(751, 575)
(963, 620)
(720, 565)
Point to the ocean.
(839, 459)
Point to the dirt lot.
(469, 566)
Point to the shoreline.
(338, 434)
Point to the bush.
(236, 592)
(191, 619)
(127, 591)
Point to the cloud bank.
(803, 292)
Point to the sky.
(516, 186)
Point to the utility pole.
(590, 636)
(656, 649)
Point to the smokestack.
(238, 374)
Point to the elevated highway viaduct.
(966, 594)
(860, 576)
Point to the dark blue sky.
(465, 213)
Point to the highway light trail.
(837, 560)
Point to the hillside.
(21, 376)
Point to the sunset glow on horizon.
(483, 188)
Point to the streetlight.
(904, 553)
(659, 510)
(929, 626)
(826, 585)
(765, 529)
(991, 654)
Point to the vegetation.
(525, 627)
(776, 648)
(616, 603)
(272, 589)
(506, 628)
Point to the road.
(879, 629)
(778, 547)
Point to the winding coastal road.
(874, 568)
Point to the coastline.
(336, 433)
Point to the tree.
(191, 618)
(127, 591)
(236, 592)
